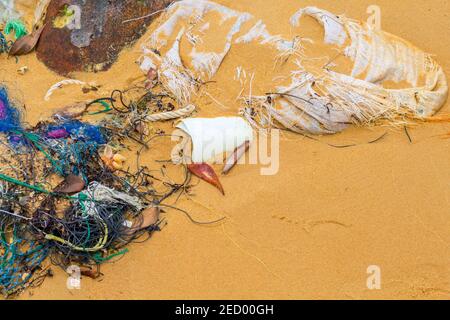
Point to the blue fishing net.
(71, 147)
(72, 143)
(71, 157)
(9, 116)
(31, 207)
(4, 44)
(79, 131)
(19, 261)
(66, 144)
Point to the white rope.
(184, 112)
(61, 84)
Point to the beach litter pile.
(67, 194)
(61, 200)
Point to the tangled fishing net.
(315, 99)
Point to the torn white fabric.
(185, 19)
(334, 29)
(381, 57)
(320, 102)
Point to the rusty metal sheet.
(96, 33)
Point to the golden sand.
(312, 230)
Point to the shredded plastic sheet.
(185, 20)
(320, 102)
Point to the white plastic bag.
(215, 136)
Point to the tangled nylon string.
(60, 199)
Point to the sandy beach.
(312, 230)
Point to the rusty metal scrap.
(101, 29)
